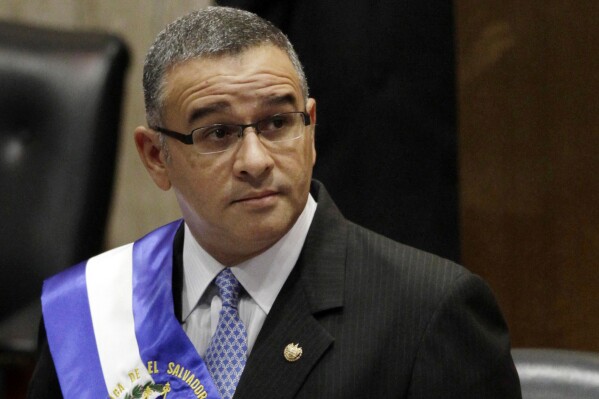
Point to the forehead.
(257, 74)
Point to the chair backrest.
(60, 105)
(557, 374)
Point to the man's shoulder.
(366, 242)
(399, 265)
(372, 259)
(412, 286)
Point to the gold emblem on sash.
(166, 389)
(292, 352)
(147, 391)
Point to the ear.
(152, 156)
(311, 109)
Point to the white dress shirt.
(262, 277)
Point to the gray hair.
(210, 32)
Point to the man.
(264, 290)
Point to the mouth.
(259, 198)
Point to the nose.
(252, 159)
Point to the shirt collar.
(262, 277)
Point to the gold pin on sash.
(292, 352)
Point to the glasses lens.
(281, 127)
(215, 138)
(276, 128)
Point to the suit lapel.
(315, 285)
(267, 374)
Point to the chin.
(268, 233)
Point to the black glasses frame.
(188, 138)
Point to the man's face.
(240, 202)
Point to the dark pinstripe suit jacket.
(375, 319)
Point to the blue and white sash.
(112, 330)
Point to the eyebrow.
(199, 113)
(202, 112)
(286, 99)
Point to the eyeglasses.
(222, 137)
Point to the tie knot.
(228, 287)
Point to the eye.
(218, 132)
(275, 122)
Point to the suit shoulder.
(407, 280)
(411, 287)
(375, 256)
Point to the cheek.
(309, 157)
(295, 164)
(195, 180)
(308, 149)
(297, 168)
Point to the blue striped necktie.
(226, 355)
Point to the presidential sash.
(112, 330)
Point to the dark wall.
(382, 73)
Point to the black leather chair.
(557, 374)
(60, 107)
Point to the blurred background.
(484, 141)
